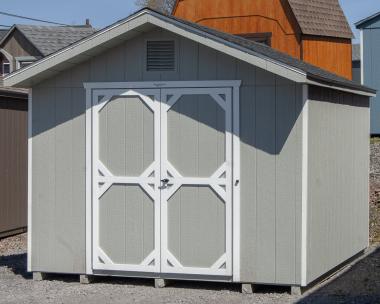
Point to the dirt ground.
(357, 283)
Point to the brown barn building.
(315, 31)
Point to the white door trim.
(235, 85)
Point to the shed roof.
(363, 22)
(319, 18)
(249, 51)
(49, 39)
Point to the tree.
(164, 6)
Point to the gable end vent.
(160, 56)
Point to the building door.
(162, 180)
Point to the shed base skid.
(39, 276)
(9, 233)
(160, 283)
(86, 279)
(247, 288)
(296, 290)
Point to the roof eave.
(71, 55)
(360, 24)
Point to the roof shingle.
(49, 39)
(321, 18)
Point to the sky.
(103, 13)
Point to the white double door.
(162, 180)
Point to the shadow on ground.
(15, 263)
(360, 284)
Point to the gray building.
(356, 64)
(160, 148)
(370, 44)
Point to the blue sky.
(103, 13)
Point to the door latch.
(165, 181)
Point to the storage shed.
(370, 60)
(13, 160)
(163, 149)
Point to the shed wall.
(371, 68)
(270, 157)
(13, 164)
(338, 179)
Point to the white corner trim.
(236, 216)
(88, 182)
(30, 137)
(305, 164)
(361, 56)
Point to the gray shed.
(160, 148)
(370, 60)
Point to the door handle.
(165, 181)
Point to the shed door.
(196, 158)
(162, 180)
(126, 180)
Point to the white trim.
(88, 182)
(305, 163)
(163, 84)
(231, 91)
(311, 82)
(362, 56)
(236, 221)
(30, 155)
(9, 57)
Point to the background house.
(19, 47)
(370, 44)
(24, 44)
(314, 31)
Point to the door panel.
(126, 180)
(196, 158)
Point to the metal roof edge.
(360, 23)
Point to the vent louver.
(160, 56)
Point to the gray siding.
(270, 157)
(338, 179)
(371, 66)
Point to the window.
(160, 56)
(23, 64)
(264, 38)
(5, 66)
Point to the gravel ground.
(375, 192)
(358, 283)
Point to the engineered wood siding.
(270, 155)
(338, 179)
(13, 164)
